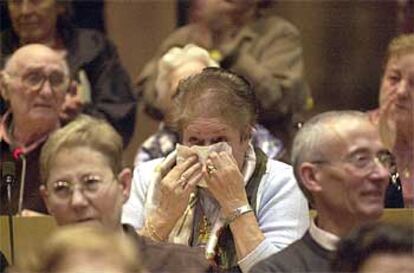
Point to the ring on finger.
(182, 181)
(211, 169)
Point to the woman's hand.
(225, 181)
(175, 190)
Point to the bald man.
(342, 167)
(33, 83)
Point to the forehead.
(35, 56)
(403, 62)
(207, 127)
(349, 136)
(78, 160)
(38, 3)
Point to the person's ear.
(125, 180)
(45, 196)
(309, 177)
(3, 86)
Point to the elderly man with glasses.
(34, 84)
(343, 168)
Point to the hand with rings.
(211, 169)
(176, 187)
(225, 181)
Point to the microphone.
(18, 153)
(8, 170)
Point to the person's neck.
(52, 41)
(33, 130)
(338, 223)
(334, 226)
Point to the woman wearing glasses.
(33, 83)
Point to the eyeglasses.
(366, 162)
(89, 186)
(34, 80)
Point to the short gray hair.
(309, 144)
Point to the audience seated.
(264, 49)
(176, 64)
(216, 190)
(84, 182)
(395, 117)
(104, 87)
(33, 83)
(376, 248)
(342, 167)
(83, 249)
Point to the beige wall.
(137, 28)
(344, 43)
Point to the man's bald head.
(34, 53)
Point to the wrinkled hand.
(176, 187)
(225, 182)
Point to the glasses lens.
(33, 80)
(62, 189)
(386, 159)
(58, 81)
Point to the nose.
(402, 88)
(46, 89)
(26, 7)
(78, 200)
(380, 172)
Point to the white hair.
(177, 57)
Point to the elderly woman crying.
(217, 191)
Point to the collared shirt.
(324, 238)
(6, 136)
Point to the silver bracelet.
(237, 213)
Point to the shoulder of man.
(290, 259)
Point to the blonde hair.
(400, 45)
(83, 131)
(85, 240)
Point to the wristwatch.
(237, 213)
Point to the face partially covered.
(397, 91)
(351, 180)
(207, 131)
(34, 21)
(82, 188)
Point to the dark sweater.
(304, 255)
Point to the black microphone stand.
(9, 182)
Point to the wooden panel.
(31, 231)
